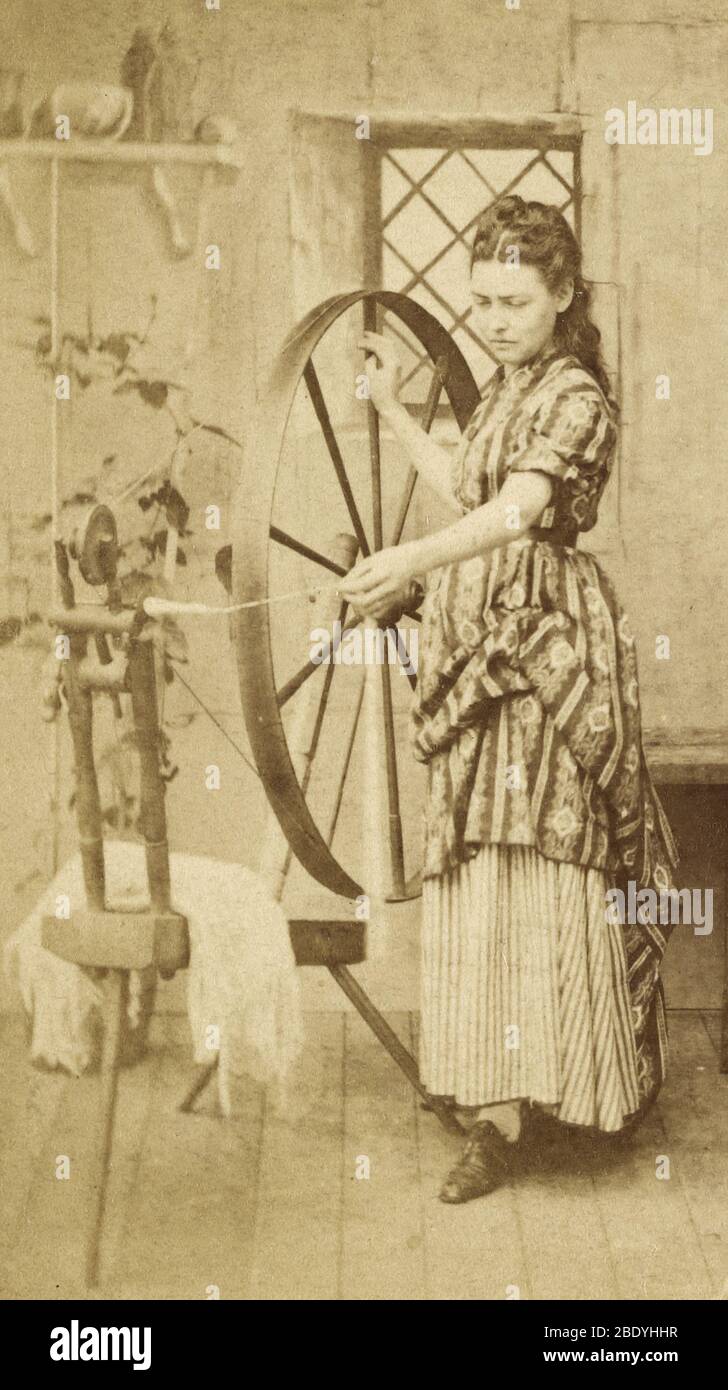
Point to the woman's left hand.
(376, 584)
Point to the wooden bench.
(694, 758)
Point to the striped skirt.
(524, 990)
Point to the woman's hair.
(546, 241)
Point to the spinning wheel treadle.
(258, 537)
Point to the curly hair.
(546, 241)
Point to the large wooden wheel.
(312, 470)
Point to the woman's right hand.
(383, 370)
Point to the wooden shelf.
(122, 152)
(108, 155)
(687, 756)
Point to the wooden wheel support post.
(112, 940)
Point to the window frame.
(539, 133)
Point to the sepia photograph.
(363, 650)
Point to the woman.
(527, 713)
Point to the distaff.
(377, 581)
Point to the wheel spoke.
(318, 723)
(433, 400)
(305, 672)
(404, 658)
(331, 831)
(404, 506)
(370, 324)
(301, 548)
(313, 747)
(322, 414)
(396, 847)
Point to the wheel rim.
(254, 531)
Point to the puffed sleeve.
(571, 437)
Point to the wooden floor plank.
(568, 1250)
(51, 1263)
(191, 1224)
(694, 1111)
(266, 1206)
(29, 1101)
(655, 1248)
(475, 1251)
(382, 1243)
(28, 1096)
(137, 1088)
(713, 1025)
(694, 1100)
(297, 1248)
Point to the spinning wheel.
(296, 459)
(297, 468)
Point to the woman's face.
(514, 311)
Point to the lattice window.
(430, 199)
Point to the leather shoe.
(486, 1162)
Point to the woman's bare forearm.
(378, 580)
(431, 460)
(517, 507)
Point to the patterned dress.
(539, 798)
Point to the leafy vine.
(112, 360)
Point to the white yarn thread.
(164, 607)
